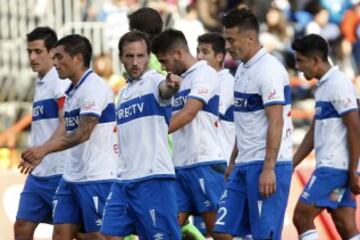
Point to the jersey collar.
(193, 67)
(258, 55)
(327, 75)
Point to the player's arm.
(351, 121)
(306, 146)
(267, 181)
(169, 86)
(185, 115)
(231, 164)
(64, 141)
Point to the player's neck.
(189, 62)
(323, 70)
(42, 74)
(77, 76)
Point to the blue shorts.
(81, 203)
(147, 208)
(242, 210)
(328, 188)
(199, 188)
(200, 224)
(36, 199)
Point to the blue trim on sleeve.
(229, 115)
(90, 114)
(349, 110)
(198, 98)
(274, 103)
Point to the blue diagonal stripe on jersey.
(212, 106)
(72, 118)
(250, 102)
(229, 114)
(247, 102)
(287, 94)
(325, 110)
(108, 114)
(180, 99)
(139, 107)
(44, 109)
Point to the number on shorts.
(96, 203)
(55, 202)
(222, 212)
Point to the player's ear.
(220, 57)
(178, 53)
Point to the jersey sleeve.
(344, 99)
(204, 87)
(93, 102)
(157, 79)
(60, 87)
(271, 88)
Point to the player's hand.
(228, 171)
(173, 81)
(33, 154)
(25, 167)
(267, 182)
(354, 183)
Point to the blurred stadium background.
(104, 22)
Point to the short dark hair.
(311, 45)
(243, 18)
(133, 36)
(169, 40)
(75, 44)
(146, 20)
(216, 40)
(43, 33)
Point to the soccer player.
(149, 21)
(35, 204)
(143, 200)
(260, 164)
(335, 136)
(89, 122)
(197, 155)
(211, 48)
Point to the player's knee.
(300, 218)
(22, 231)
(345, 227)
(94, 236)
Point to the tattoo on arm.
(83, 132)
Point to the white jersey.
(197, 142)
(94, 159)
(142, 120)
(226, 112)
(45, 120)
(335, 96)
(260, 82)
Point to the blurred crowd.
(338, 21)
